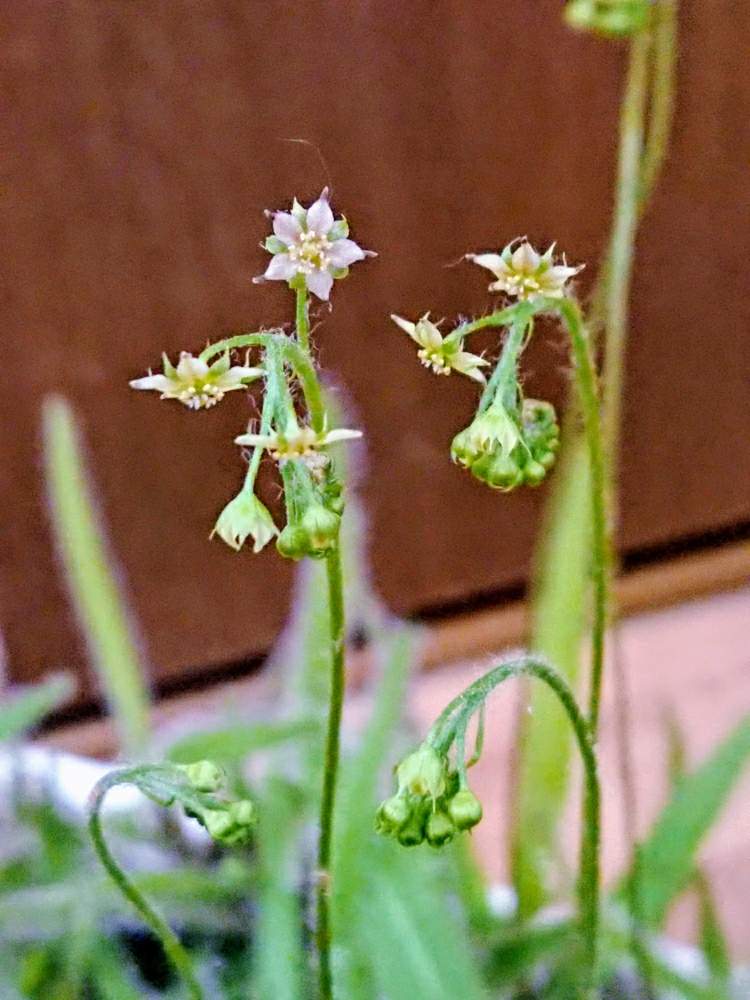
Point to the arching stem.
(171, 943)
(452, 722)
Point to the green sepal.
(339, 230)
(274, 245)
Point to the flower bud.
(608, 17)
(533, 473)
(412, 834)
(232, 824)
(465, 809)
(502, 472)
(393, 814)
(321, 527)
(292, 542)
(422, 773)
(439, 829)
(204, 775)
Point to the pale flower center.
(297, 445)
(200, 395)
(310, 252)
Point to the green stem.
(172, 946)
(452, 721)
(303, 319)
(622, 243)
(661, 104)
(330, 771)
(298, 358)
(588, 394)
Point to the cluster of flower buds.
(608, 17)
(506, 450)
(430, 804)
(229, 822)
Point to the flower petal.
(340, 434)
(280, 268)
(319, 283)
(405, 325)
(344, 252)
(286, 227)
(525, 258)
(189, 368)
(319, 215)
(492, 261)
(260, 440)
(159, 382)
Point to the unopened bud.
(204, 775)
(465, 809)
(439, 829)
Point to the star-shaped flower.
(296, 441)
(195, 383)
(439, 353)
(526, 274)
(308, 243)
(243, 517)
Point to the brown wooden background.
(140, 143)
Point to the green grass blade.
(668, 853)
(238, 741)
(26, 709)
(280, 959)
(711, 936)
(560, 591)
(89, 569)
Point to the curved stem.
(172, 946)
(661, 105)
(298, 358)
(330, 770)
(588, 393)
(453, 720)
(302, 319)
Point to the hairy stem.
(330, 770)
(453, 720)
(171, 943)
(302, 319)
(294, 354)
(588, 394)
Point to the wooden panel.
(141, 142)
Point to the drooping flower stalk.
(434, 803)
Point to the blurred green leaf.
(29, 707)
(279, 955)
(560, 591)
(238, 741)
(91, 578)
(712, 939)
(668, 854)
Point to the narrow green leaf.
(668, 854)
(280, 958)
(236, 742)
(26, 709)
(712, 939)
(91, 578)
(560, 591)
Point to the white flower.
(524, 273)
(195, 383)
(438, 353)
(242, 517)
(310, 244)
(296, 441)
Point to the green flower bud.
(608, 17)
(393, 814)
(412, 834)
(292, 542)
(533, 473)
(439, 829)
(494, 431)
(502, 472)
(232, 824)
(204, 775)
(422, 773)
(321, 527)
(465, 809)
